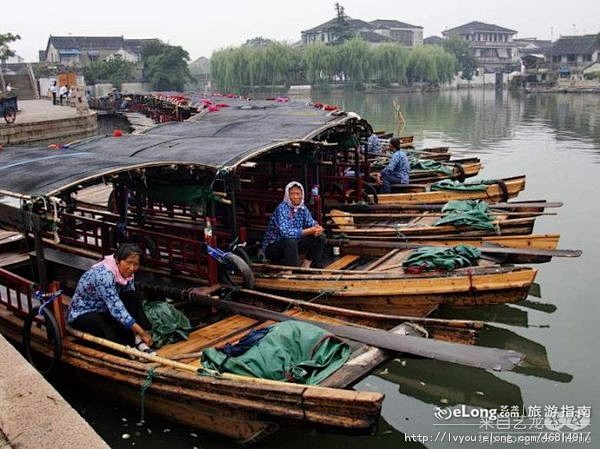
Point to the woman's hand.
(146, 338)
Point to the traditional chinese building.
(374, 32)
(80, 50)
(574, 55)
(493, 46)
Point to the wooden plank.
(13, 258)
(209, 335)
(343, 262)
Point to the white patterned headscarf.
(286, 197)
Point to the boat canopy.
(218, 141)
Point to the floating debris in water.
(125, 436)
(192, 434)
(124, 419)
(444, 401)
(140, 423)
(166, 430)
(480, 393)
(149, 431)
(384, 372)
(422, 383)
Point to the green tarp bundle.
(168, 324)
(473, 186)
(430, 258)
(291, 351)
(475, 214)
(429, 165)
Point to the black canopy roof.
(219, 140)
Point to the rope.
(145, 386)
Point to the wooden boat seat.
(343, 262)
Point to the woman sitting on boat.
(396, 171)
(292, 230)
(105, 302)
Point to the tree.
(116, 70)
(5, 39)
(165, 66)
(341, 30)
(465, 61)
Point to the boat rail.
(16, 292)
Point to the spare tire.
(234, 266)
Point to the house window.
(571, 58)
(587, 58)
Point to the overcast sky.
(201, 27)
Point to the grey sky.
(201, 27)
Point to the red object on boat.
(318, 104)
(213, 108)
(330, 107)
(117, 133)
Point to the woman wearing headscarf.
(105, 302)
(292, 230)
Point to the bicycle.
(42, 362)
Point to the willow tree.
(320, 61)
(389, 63)
(355, 59)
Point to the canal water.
(555, 140)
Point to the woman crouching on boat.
(292, 230)
(105, 303)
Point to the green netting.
(472, 213)
(168, 324)
(438, 258)
(170, 193)
(475, 186)
(429, 165)
(291, 351)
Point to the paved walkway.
(33, 414)
(41, 110)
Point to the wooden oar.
(477, 356)
(473, 324)
(340, 213)
(496, 249)
(515, 205)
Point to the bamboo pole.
(183, 366)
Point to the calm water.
(555, 140)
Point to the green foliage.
(165, 66)
(5, 40)
(465, 60)
(116, 70)
(353, 62)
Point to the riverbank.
(32, 412)
(39, 121)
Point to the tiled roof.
(385, 23)
(474, 27)
(575, 45)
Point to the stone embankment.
(40, 121)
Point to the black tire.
(10, 114)
(240, 251)
(234, 266)
(44, 364)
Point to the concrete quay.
(40, 121)
(33, 414)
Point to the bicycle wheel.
(10, 114)
(43, 362)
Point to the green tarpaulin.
(475, 214)
(168, 324)
(474, 186)
(291, 351)
(430, 258)
(429, 165)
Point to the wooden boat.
(461, 169)
(380, 285)
(501, 190)
(421, 224)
